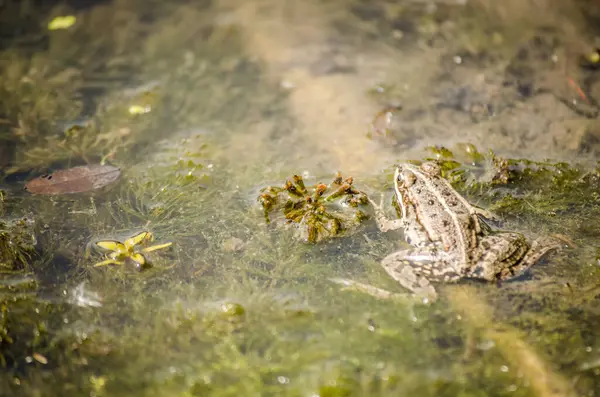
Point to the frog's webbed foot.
(542, 246)
(414, 269)
(511, 255)
(383, 223)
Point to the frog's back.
(445, 215)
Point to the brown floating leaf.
(74, 180)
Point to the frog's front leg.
(415, 268)
(414, 233)
(384, 223)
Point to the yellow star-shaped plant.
(122, 252)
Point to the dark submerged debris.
(318, 212)
(74, 180)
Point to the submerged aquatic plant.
(163, 191)
(318, 212)
(17, 245)
(109, 134)
(55, 130)
(121, 253)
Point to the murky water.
(203, 103)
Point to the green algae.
(17, 242)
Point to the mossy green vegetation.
(235, 307)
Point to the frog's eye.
(406, 178)
(431, 168)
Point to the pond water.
(204, 104)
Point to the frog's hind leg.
(506, 255)
(415, 269)
(542, 246)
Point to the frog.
(451, 239)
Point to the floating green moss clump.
(320, 211)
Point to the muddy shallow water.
(201, 104)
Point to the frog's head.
(407, 174)
(404, 178)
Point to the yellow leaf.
(99, 382)
(139, 259)
(137, 239)
(108, 262)
(111, 245)
(157, 247)
(138, 109)
(62, 22)
(40, 358)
